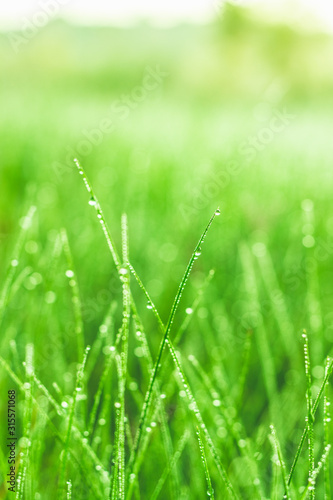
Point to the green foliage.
(194, 383)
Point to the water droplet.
(92, 201)
(133, 386)
(163, 396)
(69, 273)
(139, 352)
(138, 333)
(103, 329)
(149, 305)
(117, 405)
(102, 421)
(216, 402)
(307, 205)
(309, 241)
(148, 429)
(78, 389)
(64, 404)
(123, 271)
(132, 477)
(189, 310)
(14, 263)
(218, 212)
(50, 297)
(197, 253)
(153, 424)
(98, 467)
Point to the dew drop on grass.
(139, 352)
(153, 424)
(149, 305)
(148, 429)
(98, 467)
(216, 402)
(117, 405)
(123, 271)
(138, 333)
(64, 404)
(14, 263)
(309, 241)
(189, 310)
(79, 389)
(102, 421)
(307, 205)
(92, 201)
(103, 329)
(86, 433)
(163, 396)
(69, 273)
(132, 477)
(197, 253)
(50, 297)
(218, 212)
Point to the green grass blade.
(210, 491)
(76, 300)
(178, 452)
(314, 409)
(195, 254)
(327, 420)
(310, 415)
(277, 449)
(66, 451)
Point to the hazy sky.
(14, 13)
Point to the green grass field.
(148, 363)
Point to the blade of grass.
(76, 301)
(195, 254)
(66, 450)
(170, 466)
(193, 405)
(327, 420)
(4, 295)
(314, 409)
(310, 416)
(277, 448)
(310, 487)
(210, 491)
(95, 203)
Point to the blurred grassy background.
(170, 160)
(165, 161)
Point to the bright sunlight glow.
(14, 14)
